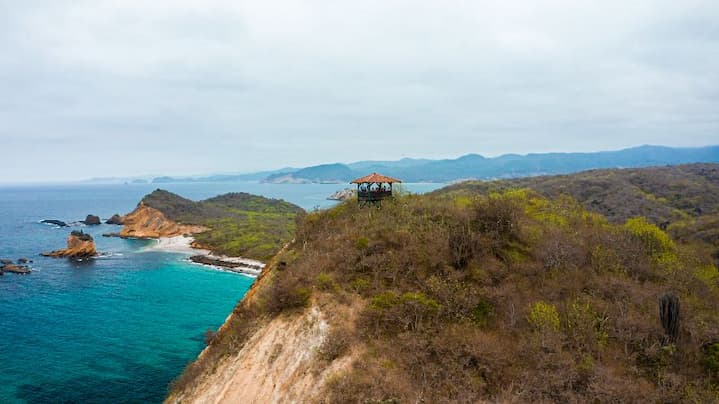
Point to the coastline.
(183, 245)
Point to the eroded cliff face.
(79, 245)
(277, 363)
(148, 222)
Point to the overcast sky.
(103, 88)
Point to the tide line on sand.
(183, 244)
(178, 244)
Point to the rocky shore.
(150, 223)
(199, 255)
(20, 268)
(234, 264)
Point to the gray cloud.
(193, 86)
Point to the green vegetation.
(711, 360)
(544, 317)
(685, 198)
(241, 224)
(489, 292)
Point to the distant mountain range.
(474, 166)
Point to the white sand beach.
(179, 244)
(183, 244)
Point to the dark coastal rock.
(92, 220)
(5, 261)
(23, 261)
(16, 269)
(55, 222)
(218, 262)
(115, 219)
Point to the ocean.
(121, 327)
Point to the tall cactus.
(669, 315)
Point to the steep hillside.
(465, 298)
(236, 224)
(684, 199)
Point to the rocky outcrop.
(55, 222)
(343, 195)
(92, 220)
(148, 222)
(239, 265)
(79, 245)
(8, 266)
(16, 269)
(115, 219)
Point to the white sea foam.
(179, 244)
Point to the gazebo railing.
(373, 195)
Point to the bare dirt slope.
(276, 365)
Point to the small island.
(79, 245)
(343, 195)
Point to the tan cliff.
(276, 363)
(148, 222)
(79, 245)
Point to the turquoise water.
(118, 328)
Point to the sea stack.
(79, 245)
(92, 220)
(115, 219)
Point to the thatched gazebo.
(373, 188)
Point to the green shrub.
(360, 285)
(543, 316)
(585, 328)
(711, 357)
(655, 241)
(384, 301)
(482, 313)
(362, 243)
(325, 282)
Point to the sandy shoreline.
(183, 244)
(179, 244)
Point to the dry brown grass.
(447, 285)
(433, 301)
